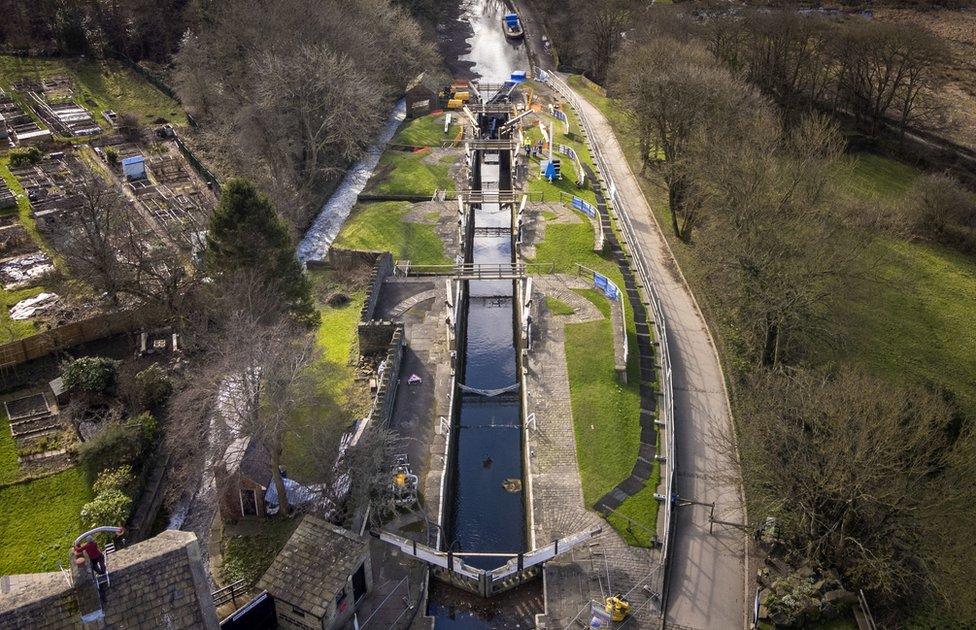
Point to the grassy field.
(426, 131)
(411, 173)
(382, 226)
(343, 398)
(9, 465)
(99, 85)
(40, 519)
(558, 307)
(605, 423)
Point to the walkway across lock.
(450, 567)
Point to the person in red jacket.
(89, 549)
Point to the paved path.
(707, 578)
(608, 564)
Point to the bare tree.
(775, 250)
(319, 99)
(674, 92)
(107, 245)
(861, 474)
(352, 475)
(92, 237)
(886, 71)
(603, 31)
(295, 99)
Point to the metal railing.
(229, 593)
(618, 207)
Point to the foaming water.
(315, 245)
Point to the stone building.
(320, 576)
(157, 583)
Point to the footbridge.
(451, 566)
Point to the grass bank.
(248, 554)
(605, 414)
(384, 226)
(343, 398)
(426, 131)
(418, 172)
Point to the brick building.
(320, 576)
(157, 583)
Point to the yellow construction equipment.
(463, 96)
(455, 103)
(617, 607)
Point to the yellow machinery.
(617, 607)
(403, 485)
(454, 103)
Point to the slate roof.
(314, 565)
(250, 458)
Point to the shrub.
(112, 156)
(938, 208)
(114, 479)
(119, 444)
(91, 374)
(110, 507)
(25, 156)
(154, 386)
(147, 426)
(130, 128)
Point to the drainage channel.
(484, 509)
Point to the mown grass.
(382, 226)
(605, 413)
(9, 465)
(411, 173)
(40, 519)
(605, 421)
(107, 84)
(342, 399)
(558, 307)
(426, 131)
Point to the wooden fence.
(14, 353)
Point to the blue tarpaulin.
(606, 285)
(584, 207)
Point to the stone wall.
(382, 269)
(375, 336)
(158, 583)
(386, 389)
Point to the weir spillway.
(485, 507)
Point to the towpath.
(708, 574)
(708, 570)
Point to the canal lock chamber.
(485, 508)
